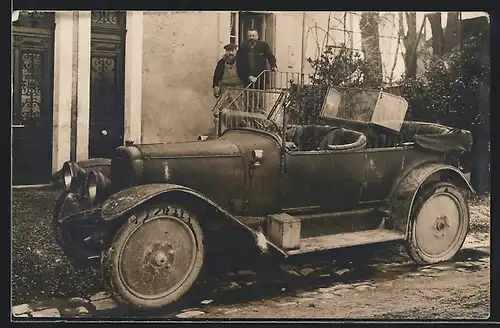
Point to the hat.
(230, 46)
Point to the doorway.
(32, 97)
(262, 22)
(107, 82)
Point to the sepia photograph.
(250, 165)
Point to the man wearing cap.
(226, 74)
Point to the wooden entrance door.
(106, 82)
(248, 21)
(32, 97)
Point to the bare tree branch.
(327, 31)
(317, 28)
(370, 42)
(317, 39)
(344, 26)
(391, 76)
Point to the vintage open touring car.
(151, 213)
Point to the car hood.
(214, 168)
(219, 147)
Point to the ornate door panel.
(32, 96)
(106, 82)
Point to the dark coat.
(218, 73)
(262, 51)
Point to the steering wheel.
(267, 125)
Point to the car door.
(382, 171)
(322, 179)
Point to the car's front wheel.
(439, 224)
(155, 257)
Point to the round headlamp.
(72, 174)
(67, 176)
(97, 187)
(91, 187)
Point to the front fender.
(125, 201)
(405, 193)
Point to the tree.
(410, 40)
(443, 41)
(437, 33)
(370, 42)
(451, 33)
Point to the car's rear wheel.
(155, 257)
(439, 224)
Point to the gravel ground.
(453, 291)
(40, 270)
(480, 214)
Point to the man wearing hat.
(226, 74)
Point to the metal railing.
(282, 80)
(255, 97)
(269, 80)
(256, 100)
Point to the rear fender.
(128, 201)
(403, 197)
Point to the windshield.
(259, 109)
(365, 105)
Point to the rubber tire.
(110, 260)
(78, 256)
(411, 245)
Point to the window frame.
(236, 24)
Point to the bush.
(345, 68)
(455, 92)
(450, 91)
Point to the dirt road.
(456, 291)
(374, 282)
(371, 288)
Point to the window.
(233, 28)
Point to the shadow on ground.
(259, 282)
(40, 270)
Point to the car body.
(357, 177)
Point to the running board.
(321, 224)
(341, 240)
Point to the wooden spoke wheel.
(439, 224)
(154, 261)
